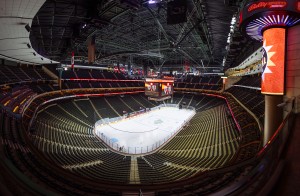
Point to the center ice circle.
(158, 121)
(144, 132)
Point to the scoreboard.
(159, 89)
(166, 89)
(152, 89)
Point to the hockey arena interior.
(149, 97)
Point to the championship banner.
(72, 60)
(273, 57)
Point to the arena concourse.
(142, 98)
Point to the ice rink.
(144, 132)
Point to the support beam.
(191, 29)
(191, 58)
(159, 25)
(91, 50)
(273, 115)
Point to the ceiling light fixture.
(255, 27)
(27, 27)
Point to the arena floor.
(144, 132)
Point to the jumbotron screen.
(273, 61)
(158, 87)
(152, 89)
(166, 88)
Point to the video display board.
(158, 87)
(152, 89)
(273, 58)
(166, 88)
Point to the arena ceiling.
(14, 38)
(137, 35)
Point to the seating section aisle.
(84, 78)
(64, 132)
(37, 176)
(249, 130)
(252, 80)
(197, 82)
(12, 74)
(209, 141)
(70, 143)
(15, 99)
(42, 88)
(252, 99)
(199, 102)
(28, 167)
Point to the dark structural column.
(273, 115)
(60, 71)
(145, 69)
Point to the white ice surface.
(149, 129)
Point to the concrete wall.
(292, 70)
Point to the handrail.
(80, 92)
(68, 97)
(249, 87)
(267, 160)
(29, 81)
(249, 111)
(100, 80)
(216, 94)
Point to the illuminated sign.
(263, 14)
(273, 61)
(116, 69)
(224, 80)
(167, 89)
(241, 18)
(254, 28)
(151, 89)
(271, 4)
(155, 87)
(168, 77)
